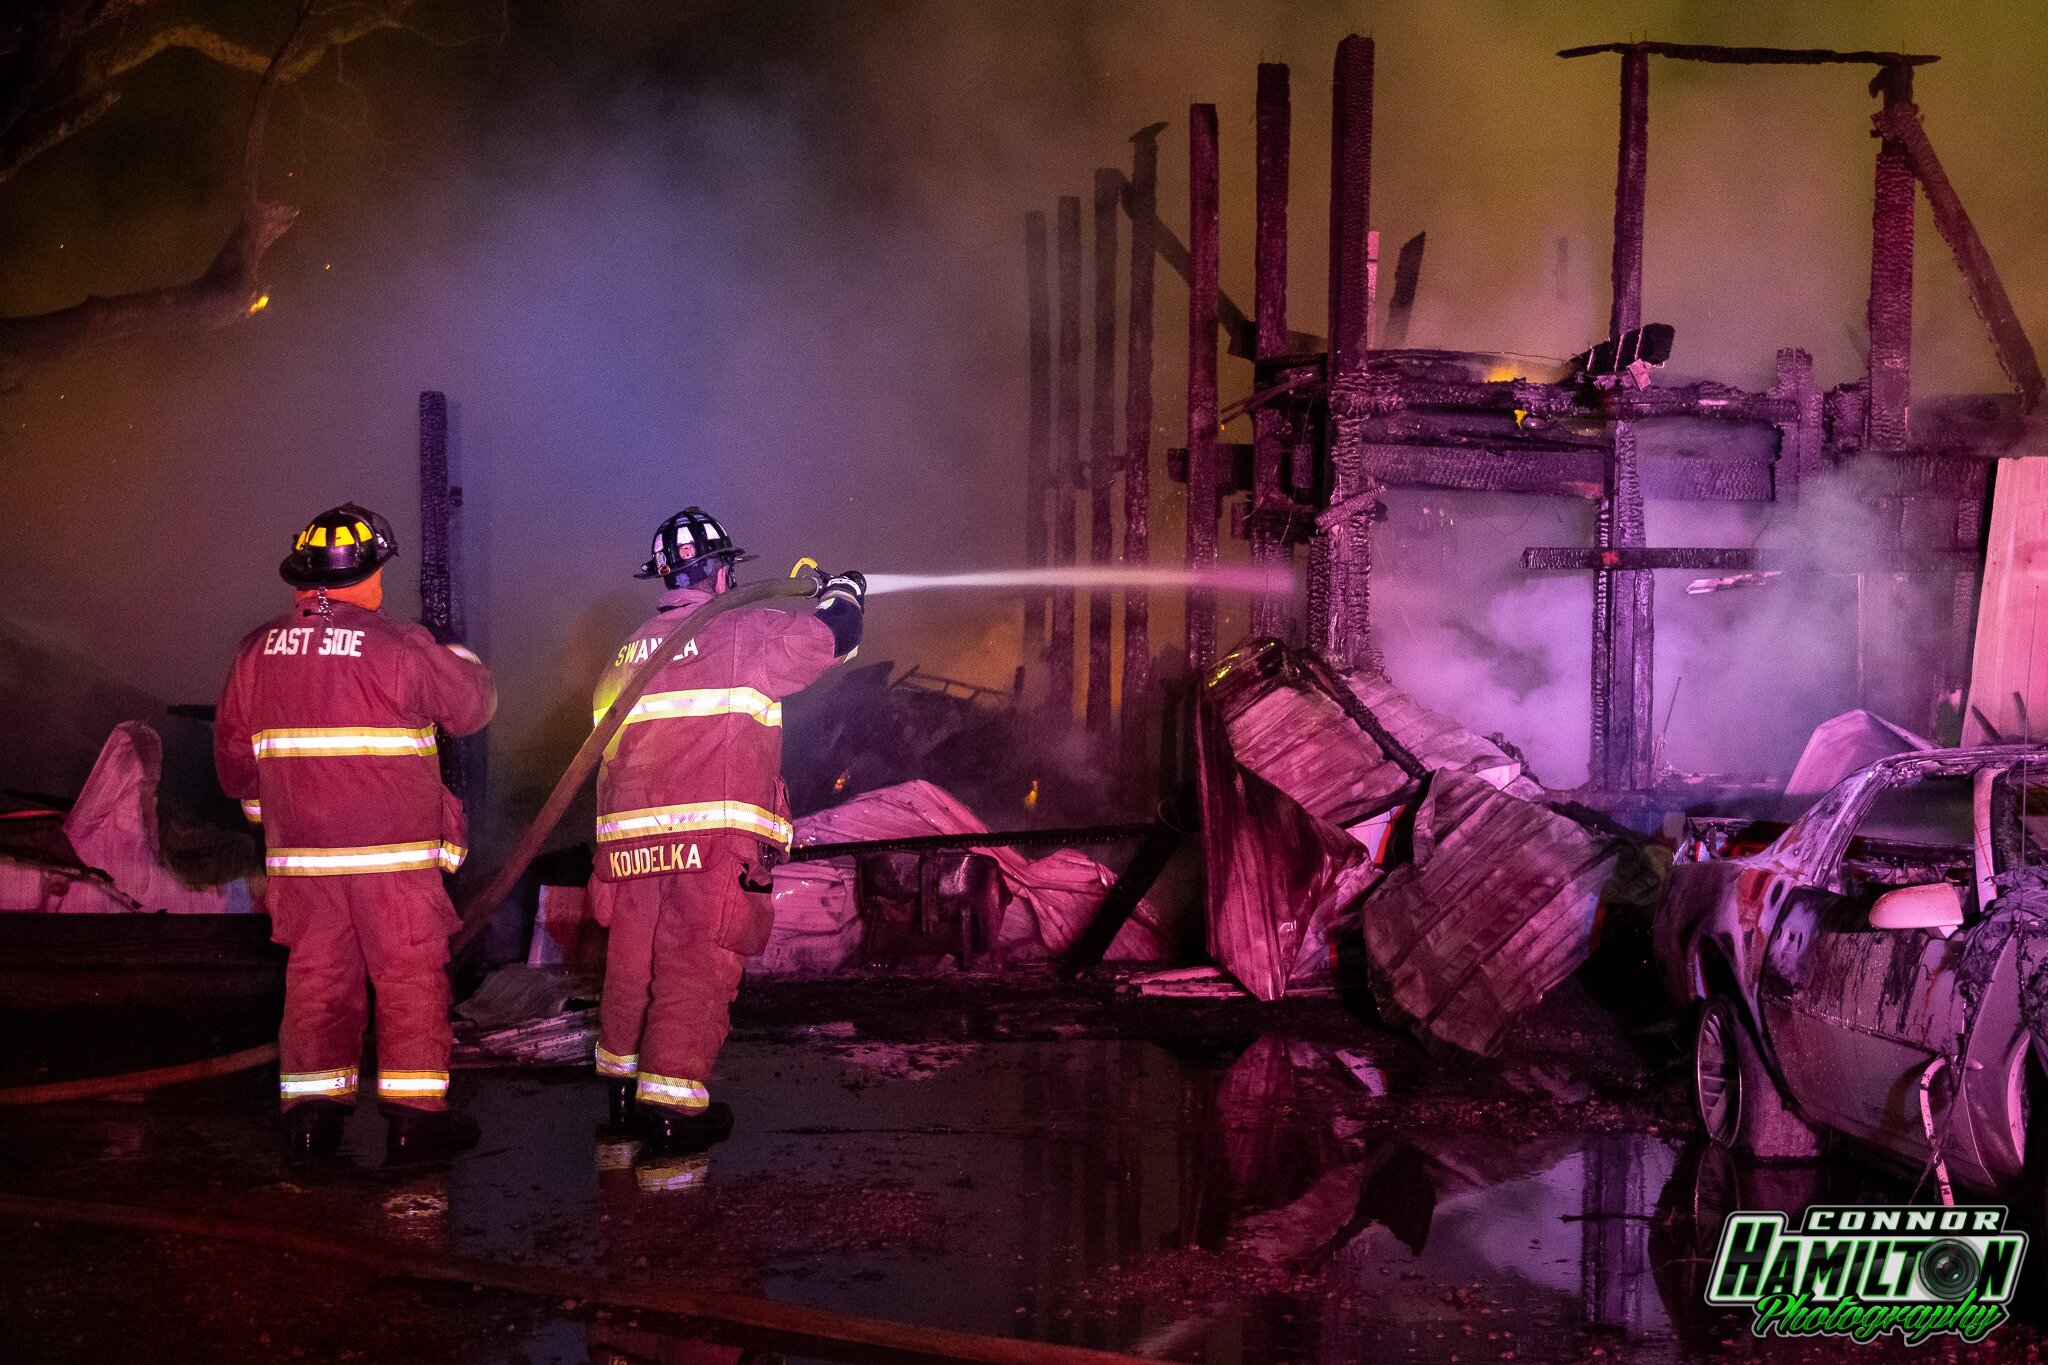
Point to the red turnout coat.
(325, 733)
(700, 754)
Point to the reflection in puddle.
(1029, 1189)
(1271, 1206)
(1114, 1195)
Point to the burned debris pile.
(148, 831)
(1341, 816)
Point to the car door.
(1855, 1014)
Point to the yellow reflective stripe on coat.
(344, 741)
(612, 1064)
(418, 1084)
(463, 652)
(697, 702)
(694, 817)
(673, 1091)
(337, 862)
(252, 811)
(335, 1084)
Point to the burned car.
(1880, 970)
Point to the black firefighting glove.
(842, 608)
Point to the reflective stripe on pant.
(668, 985)
(387, 929)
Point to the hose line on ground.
(787, 1326)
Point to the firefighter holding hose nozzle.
(326, 734)
(692, 816)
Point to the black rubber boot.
(622, 1111)
(312, 1131)
(671, 1131)
(427, 1134)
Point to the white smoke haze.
(769, 259)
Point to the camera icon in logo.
(1949, 1269)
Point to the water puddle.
(1114, 1194)
(1111, 1194)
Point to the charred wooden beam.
(1624, 619)
(1755, 56)
(1716, 402)
(1269, 306)
(1401, 304)
(1066, 456)
(1109, 186)
(1551, 470)
(1990, 424)
(1802, 454)
(1341, 558)
(1889, 313)
(438, 501)
(1625, 309)
(440, 597)
(1038, 440)
(1915, 473)
(1741, 559)
(1203, 506)
(1495, 432)
(1900, 126)
(1231, 318)
(1142, 191)
(1565, 473)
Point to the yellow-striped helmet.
(341, 546)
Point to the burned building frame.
(1338, 422)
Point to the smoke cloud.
(768, 259)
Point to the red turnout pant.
(391, 928)
(678, 944)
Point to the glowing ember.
(262, 302)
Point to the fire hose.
(790, 1326)
(474, 906)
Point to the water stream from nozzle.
(1258, 579)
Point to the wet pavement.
(1323, 1193)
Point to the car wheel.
(1739, 1103)
(1717, 1074)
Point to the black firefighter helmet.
(341, 546)
(691, 546)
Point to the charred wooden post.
(1109, 187)
(1038, 441)
(1142, 206)
(1802, 455)
(438, 612)
(1899, 123)
(1066, 456)
(1890, 309)
(1624, 603)
(1203, 474)
(440, 604)
(1270, 505)
(1632, 170)
(1341, 557)
(1956, 657)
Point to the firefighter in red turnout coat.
(692, 817)
(326, 733)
